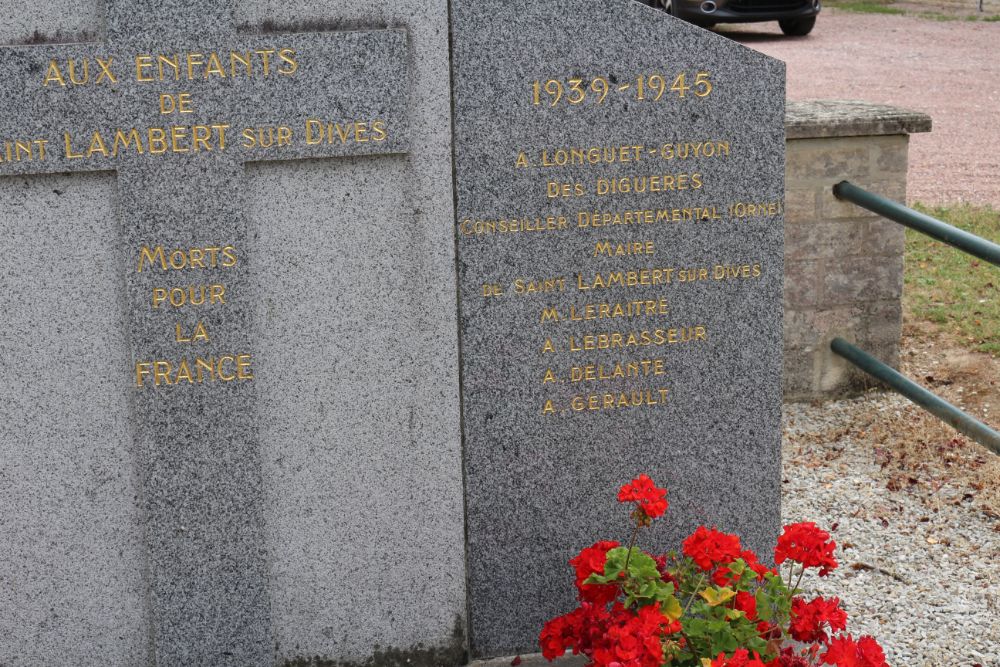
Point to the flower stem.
(801, 574)
(631, 543)
(694, 594)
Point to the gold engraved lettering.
(618, 310)
(173, 62)
(267, 137)
(243, 59)
(548, 408)
(647, 216)
(691, 150)
(193, 258)
(27, 150)
(624, 279)
(265, 55)
(73, 78)
(223, 376)
(572, 157)
(291, 66)
(193, 60)
(524, 286)
(619, 400)
(359, 132)
(736, 271)
(124, 141)
(97, 145)
(606, 248)
(53, 75)
(225, 368)
(652, 184)
(214, 67)
(192, 295)
(69, 148)
(200, 334)
(180, 103)
(154, 140)
(142, 63)
(105, 72)
(756, 209)
(620, 371)
(619, 340)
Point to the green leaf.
(716, 596)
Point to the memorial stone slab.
(619, 179)
(176, 102)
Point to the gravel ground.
(948, 69)
(922, 577)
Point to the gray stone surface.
(359, 373)
(540, 486)
(219, 579)
(72, 580)
(812, 119)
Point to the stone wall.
(843, 265)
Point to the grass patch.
(864, 6)
(951, 289)
(888, 7)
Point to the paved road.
(949, 69)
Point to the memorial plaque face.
(619, 223)
(176, 101)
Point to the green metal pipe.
(935, 405)
(925, 224)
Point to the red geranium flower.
(634, 639)
(580, 630)
(724, 576)
(646, 495)
(789, 659)
(751, 560)
(591, 561)
(809, 619)
(807, 544)
(747, 603)
(742, 659)
(843, 651)
(711, 547)
(661, 567)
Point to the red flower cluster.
(619, 638)
(789, 659)
(810, 619)
(649, 498)
(807, 544)
(747, 603)
(724, 575)
(742, 659)
(711, 547)
(845, 652)
(591, 561)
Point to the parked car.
(796, 17)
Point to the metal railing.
(925, 224)
(953, 236)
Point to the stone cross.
(176, 101)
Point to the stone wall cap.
(814, 119)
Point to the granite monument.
(245, 421)
(619, 179)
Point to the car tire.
(669, 6)
(797, 27)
